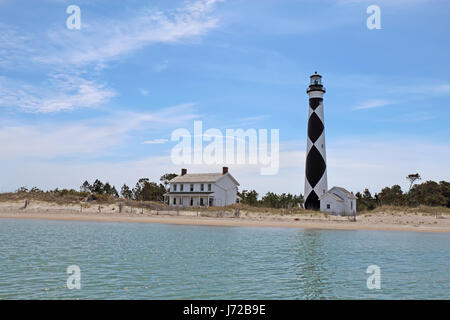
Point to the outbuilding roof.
(347, 194)
(345, 191)
(332, 195)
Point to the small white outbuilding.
(338, 201)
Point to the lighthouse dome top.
(315, 83)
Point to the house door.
(211, 202)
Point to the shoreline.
(387, 220)
(225, 222)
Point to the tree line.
(270, 199)
(144, 190)
(429, 193)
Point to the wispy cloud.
(384, 162)
(155, 141)
(59, 92)
(432, 89)
(66, 53)
(92, 137)
(370, 104)
(15, 47)
(416, 117)
(163, 65)
(383, 2)
(247, 121)
(355, 171)
(105, 40)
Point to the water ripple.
(145, 261)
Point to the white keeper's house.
(338, 201)
(202, 189)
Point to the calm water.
(153, 261)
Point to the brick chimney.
(224, 170)
(183, 171)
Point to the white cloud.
(383, 2)
(444, 88)
(416, 117)
(370, 104)
(86, 138)
(68, 53)
(163, 65)
(59, 93)
(56, 174)
(354, 164)
(376, 163)
(433, 89)
(247, 121)
(15, 48)
(156, 141)
(105, 40)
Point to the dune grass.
(71, 197)
(396, 210)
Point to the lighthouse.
(316, 160)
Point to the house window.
(202, 187)
(209, 187)
(181, 187)
(192, 201)
(174, 200)
(328, 206)
(174, 187)
(192, 187)
(201, 201)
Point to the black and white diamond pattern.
(316, 166)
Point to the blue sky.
(102, 102)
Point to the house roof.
(344, 191)
(201, 177)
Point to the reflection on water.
(312, 273)
(146, 261)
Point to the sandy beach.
(392, 221)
